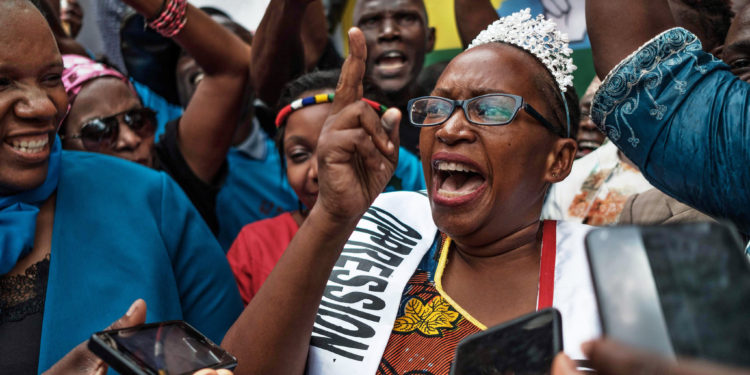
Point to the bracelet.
(171, 21)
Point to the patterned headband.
(79, 70)
(318, 99)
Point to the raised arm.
(208, 124)
(314, 34)
(682, 116)
(616, 28)
(473, 16)
(356, 158)
(278, 52)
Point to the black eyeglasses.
(101, 133)
(490, 109)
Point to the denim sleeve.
(682, 117)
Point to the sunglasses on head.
(101, 133)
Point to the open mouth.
(391, 62)
(457, 180)
(586, 147)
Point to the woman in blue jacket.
(83, 235)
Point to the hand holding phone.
(172, 347)
(612, 358)
(674, 290)
(523, 346)
(80, 360)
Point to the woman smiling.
(107, 115)
(78, 240)
(390, 285)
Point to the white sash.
(574, 291)
(364, 291)
(362, 297)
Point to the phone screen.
(676, 289)
(703, 282)
(524, 346)
(168, 347)
(625, 290)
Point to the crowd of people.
(315, 214)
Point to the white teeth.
(454, 194)
(454, 167)
(30, 150)
(30, 147)
(588, 144)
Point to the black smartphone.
(523, 346)
(172, 347)
(676, 290)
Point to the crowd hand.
(357, 150)
(71, 15)
(610, 358)
(81, 361)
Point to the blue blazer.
(122, 232)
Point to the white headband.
(539, 37)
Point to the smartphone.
(523, 346)
(172, 347)
(678, 290)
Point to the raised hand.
(357, 150)
(610, 358)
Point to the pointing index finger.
(349, 89)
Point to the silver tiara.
(538, 36)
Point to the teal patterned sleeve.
(682, 117)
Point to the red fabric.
(547, 267)
(257, 249)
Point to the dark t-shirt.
(170, 160)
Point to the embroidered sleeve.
(682, 117)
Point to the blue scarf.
(18, 214)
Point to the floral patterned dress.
(430, 324)
(426, 332)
